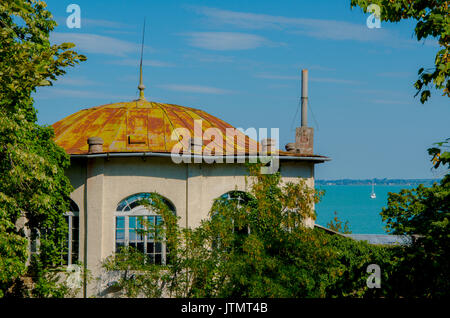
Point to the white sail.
(373, 195)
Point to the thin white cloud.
(129, 78)
(135, 62)
(71, 81)
(322, 68)
(53, 92)
(277, 77)
(115, 31)
(97, 44)
(225, 41)
(317, 28)
(394, 74)
(86, 23)
(391, 102)
(300, 65)
(103, 23)
(381, 96)
(311, 79)
(195, 89)
(279, 86)
(332, 80)
(340, 31)
(243, 19)
(209, 58)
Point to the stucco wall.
(77, 176)
(100, 184)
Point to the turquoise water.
(353, 204)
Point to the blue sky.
(241, 61)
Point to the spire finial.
(141, 86)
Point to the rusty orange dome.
(137, 126)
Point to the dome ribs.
(141, 127)
(91, 126)
(113, 133)
(156, 129)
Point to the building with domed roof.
(124, 152)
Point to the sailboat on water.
(373, 195)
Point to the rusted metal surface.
(139, 126)
(143, 126)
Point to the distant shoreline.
(384, 181)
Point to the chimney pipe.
(268, 145)
(304, 135)
(95, 144)
(304, 98)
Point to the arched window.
(131, 217)
(240, 198)
(73, 238)
(237, 200)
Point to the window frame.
(145, 213)
(70, 227)
(35, 242)
(74, 212)
(242, 198)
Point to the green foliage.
(350, 262)
(440, 157)
(33, 186)
(258, 249)
(338, 225)
(13, 250)
(433, 20)
(423, 213)
(137, 274)
(56, 283)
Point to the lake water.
(353, 204)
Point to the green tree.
(33, 186)
(424, 214)
(433, 20)
(338, 225)
(260, 248)
(440, 157)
